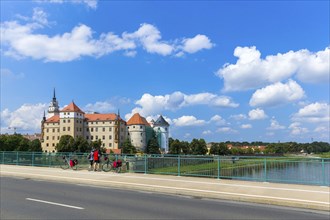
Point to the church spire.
(53, 106)
(54, 96)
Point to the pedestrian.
(96, 156)
(90, 157)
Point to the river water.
(316, 172)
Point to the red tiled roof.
(137, 119)
(101, 117)
(53, 119)
(72, 108)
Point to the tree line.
(199, 147)
(67, 143)
(18, 142)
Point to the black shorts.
(97, 161)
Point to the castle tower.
(53, 108)
(161, 127)
(138, 131)
(72, 121)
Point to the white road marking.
(54, 203)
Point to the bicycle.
(69, 163)
(116, 165)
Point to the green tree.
(81, 145)
(198, 147)
(35, 146)
(214, 148)
(175, 147)
(128, 148)
(152, 146)
(66, 144)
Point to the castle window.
(141, 134)
(110, 144)
(77, 129)
(53, 137)
(47, 145)
(87, 129)
(53, 145)
(53, 130)
(92, 129)
(103, 137)
(64, 113)
(96, 122)
(47, 130)
(63, 128)
(96, 129)
(96, 137)
(68, 128)
(128, 133)
(110, 137)
(103, 122)
(64, 121)
(103, 129)
(110, 129)
(86, 137)
(58, 130)
(91, 137)
(58, 137)
(68, 120)
(47, 138)
(141, 127)
(133, 126)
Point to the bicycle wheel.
(106, 167)
(64, 165)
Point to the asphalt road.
(24, 198)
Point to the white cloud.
(313, 113)
(26, 118)
(297, 129)
(102, 107)
(207, 132)
(322, 129)
(238, 117)
(20, 41)
(277, 94)
(151, 105)
(274, 125)
(226, 130)
(188, 121)
(197, 43)
(218, 120)
(257, 114)
(251, 72)
(7, 73)
(89, 3)
(246, 126)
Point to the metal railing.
(300, 170)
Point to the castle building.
(161, 127)
(110, 128)
(139, 131)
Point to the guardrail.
(301, 170)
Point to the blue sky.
(218, 70)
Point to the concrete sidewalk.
(291, 195)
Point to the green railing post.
(219, 167)
(16, 158)
(323, 172)
(145, 164)
(179, 163)
(32, 159)
(265, 170)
